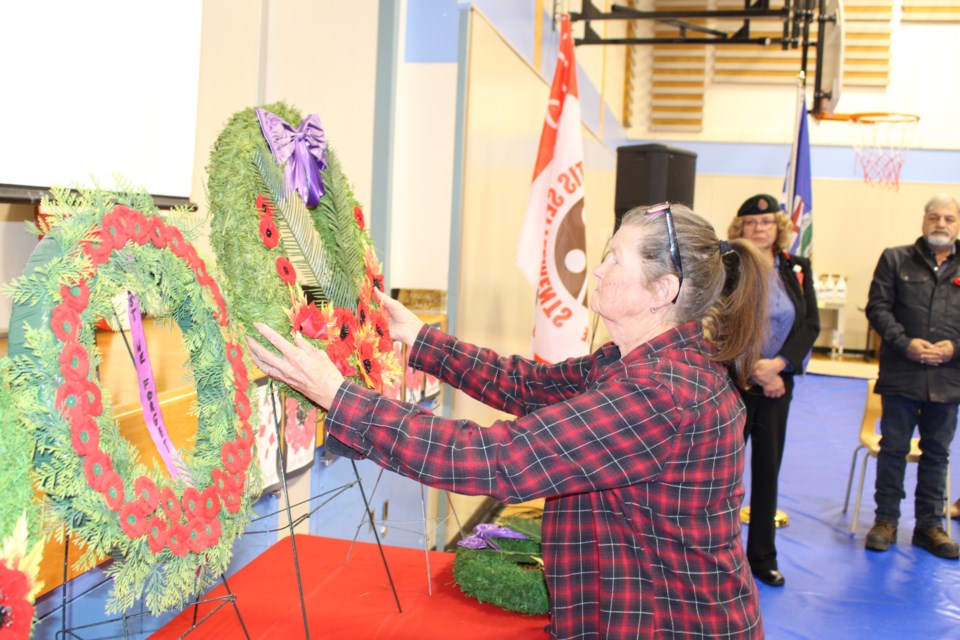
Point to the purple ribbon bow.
(304, 150)
(482, 534)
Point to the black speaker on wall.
(652, 173)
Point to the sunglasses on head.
(664, 208)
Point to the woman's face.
(761, 230)
(620, 293)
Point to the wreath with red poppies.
(291, 240)
(20, 544)
(169, 538)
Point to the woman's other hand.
(404, 324)
(300, 365)
(766, 369)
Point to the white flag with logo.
(552, 250)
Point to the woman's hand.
(775, 388)
(404, 324)
(766, 369)
(300, 365)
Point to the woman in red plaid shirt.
(637, 448)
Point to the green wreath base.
(168, 539)
(511, 578)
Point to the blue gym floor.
(835, 588)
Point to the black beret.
(760, 203)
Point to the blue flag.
(797, 201)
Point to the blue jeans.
(936, 422)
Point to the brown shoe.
(954, 510)
(881, 536)
(937, 542)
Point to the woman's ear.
(666, 289)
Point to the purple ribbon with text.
(149, 401)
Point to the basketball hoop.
(880, 141)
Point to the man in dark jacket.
(915, 307)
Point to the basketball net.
(880, 141)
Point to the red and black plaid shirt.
(640, 461)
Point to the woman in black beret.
(793, 327)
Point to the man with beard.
(915, 307)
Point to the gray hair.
(940, 200)
(724, 288)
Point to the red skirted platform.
(351, 598)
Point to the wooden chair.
(870, 445)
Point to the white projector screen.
(99, 89)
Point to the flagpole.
(791, 189)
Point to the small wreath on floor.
(20, 544)
(169, 538)
(291, 239)
(509, 575)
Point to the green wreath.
(511, 576)
(293, 265)
(20, 544)
(169, 538)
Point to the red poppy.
(240, 378)
(177, 536)
(234, 353)
(112, 490)
(286, 271)
(98, 249)
(956, 282)
(116, 227)
(65, 322)
(147, 492)
(363, 311)
(234, 457)
(196, 535)
(346, 326)
(84, 435)
(79, 397)
(158, 231)
(382, 329)
(209, 502)
(374, 268)
(203, 277)
(231, 500)
(241, 404)
(191, 257)
(245, 435)
(310, 321)
(15, 603)
(176, 243)
(269, 233)
(74, 361)
(132, 520)
(212, 531)
(192, 502)
(156, 534)
(138, 227)
(374, 275)
(77, 301)
(340, 353)
(223, 481)
(358, 216)
(170, 504)
(223, 319)
(265, 205)
(370, 366)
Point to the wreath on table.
(502, 565)
(20, 544)
(169, 530)
(291, 239)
